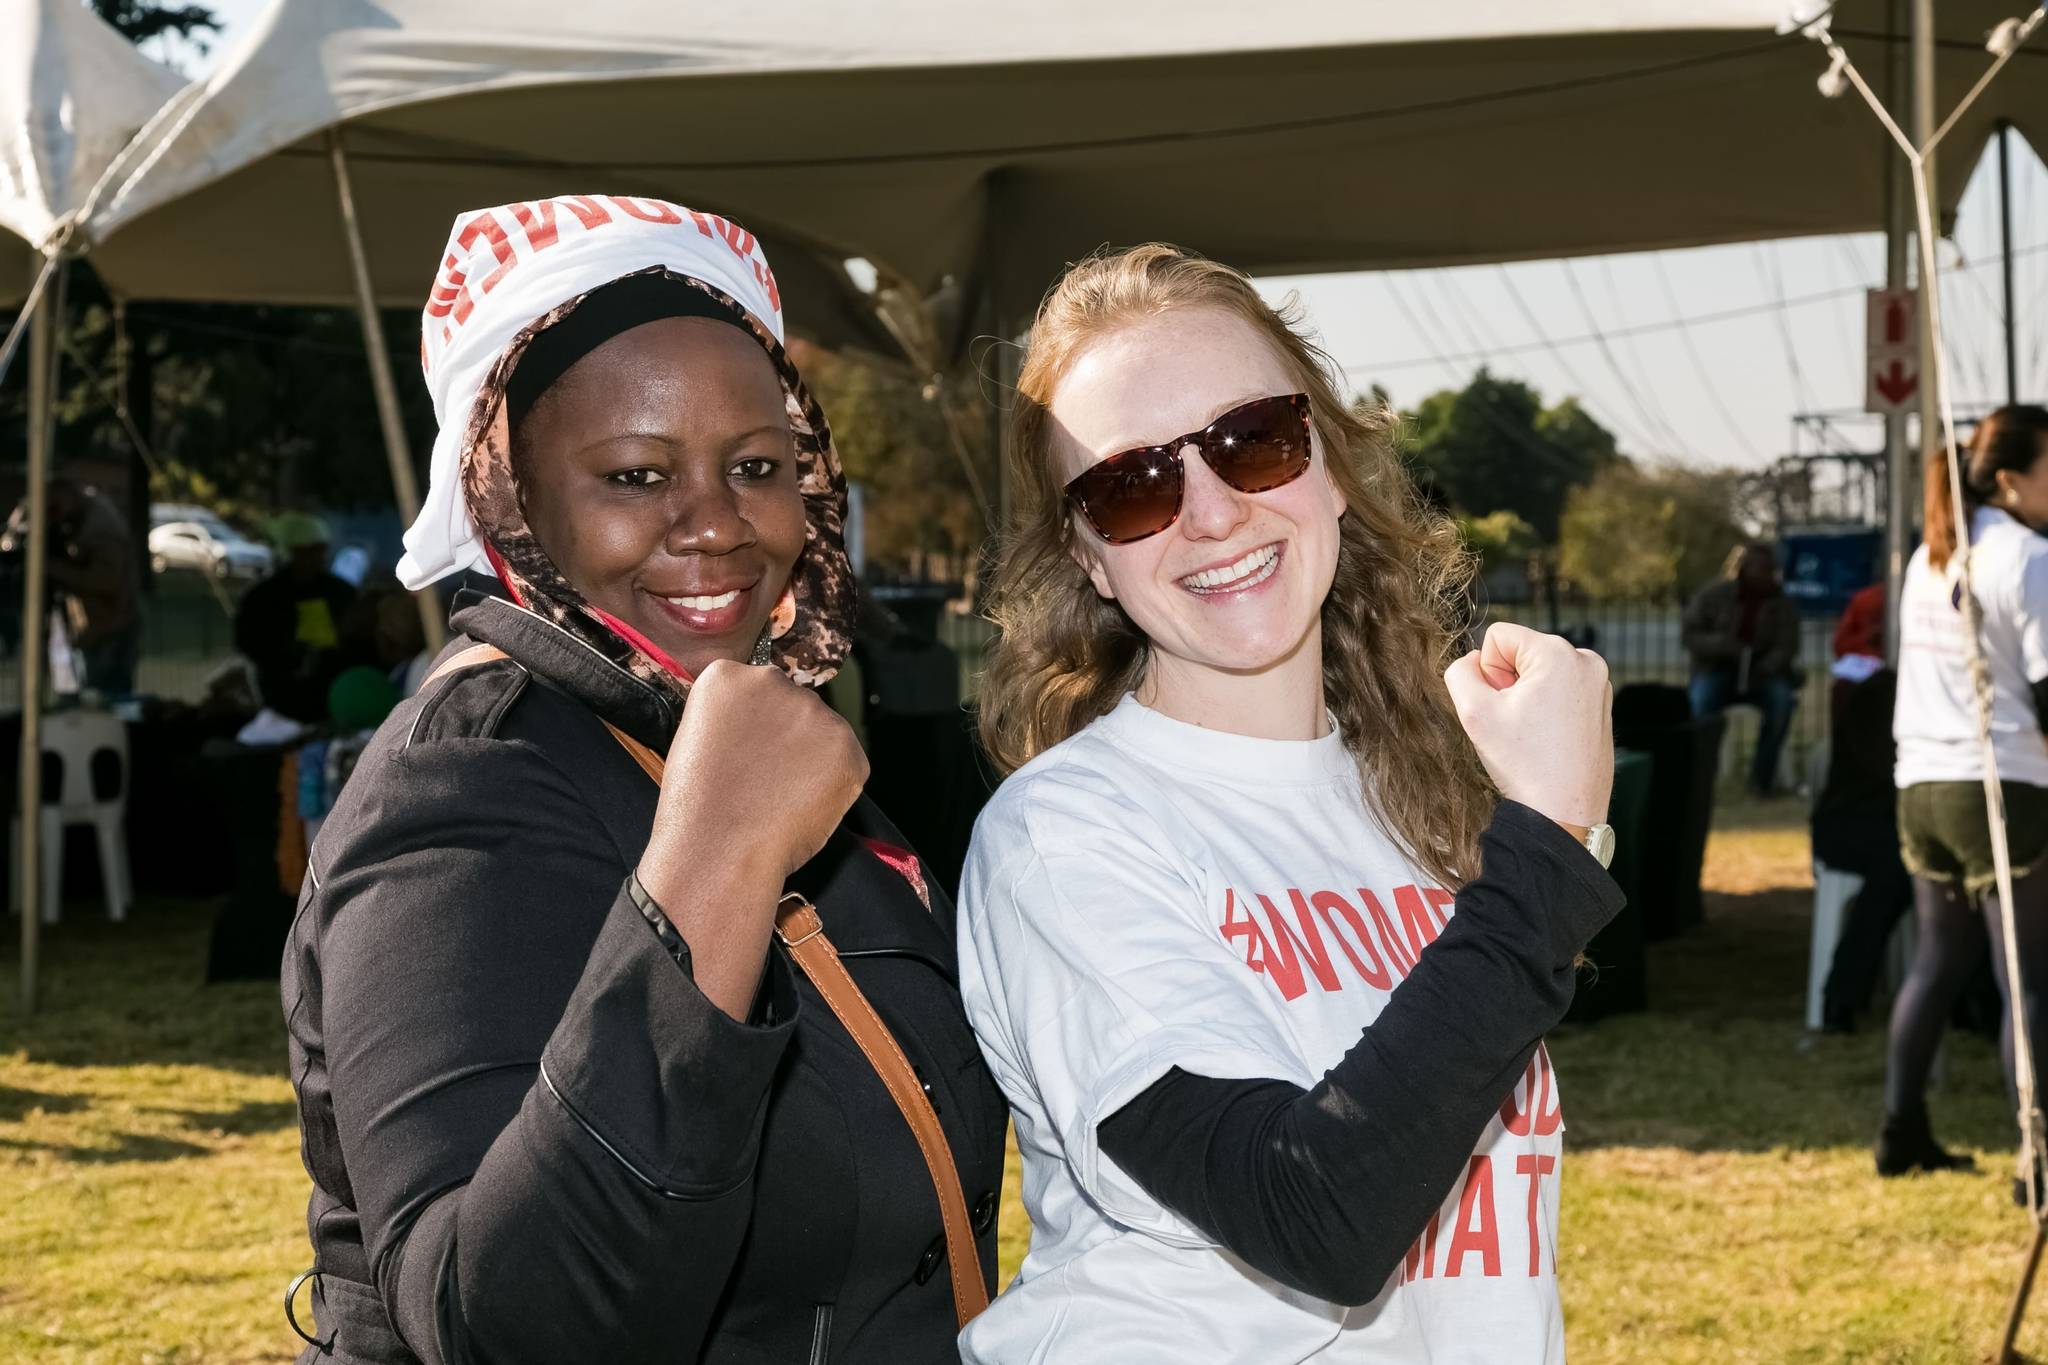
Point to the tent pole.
(28, 867)
(1922, 126)
(1006, 322)
(2012, 361)
(396, 448)
(1902, 472)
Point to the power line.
(1645, 373)
(1699, 366)
(1485, 410)
(1578, 384)
(1600, 339)
(1774, 285)
(1968, 353)
(1857, 270)
(1582, 391)
(1851, 362)
(1454, 305)
(1767, 271)
(1434, 334)
(1428, 338)
(1638, 329)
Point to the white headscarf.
(504, 268)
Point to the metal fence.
(1639, 639)
(187, 633)
(1641, 642)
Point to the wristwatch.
(1598, 839)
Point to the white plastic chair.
(76, 739)
(1833, 889)
(1745, 723)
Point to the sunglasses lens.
(1130, 496)
(1260, 445)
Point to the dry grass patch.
(1718, 1201)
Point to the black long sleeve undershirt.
(1326, 1189)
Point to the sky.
(1701, 356)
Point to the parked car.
(194, 538)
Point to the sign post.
(1891, 366)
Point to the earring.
(783, 618)
(764, 651)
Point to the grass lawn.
(1718, 1206)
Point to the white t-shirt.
(1150, 894)
(1935, 721)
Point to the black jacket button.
(934, 1256)
(984, 1213)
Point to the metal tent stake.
(2020, 1296)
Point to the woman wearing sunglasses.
(1250, 802)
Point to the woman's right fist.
(1540, 713)
(761, 771)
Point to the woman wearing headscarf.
(570, 1087)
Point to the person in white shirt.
(1263, 932)
(1944, 834)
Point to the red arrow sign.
(1896, 383)
(1894, 324)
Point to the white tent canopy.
(72, 93)
(986, 145)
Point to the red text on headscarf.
(527, 229)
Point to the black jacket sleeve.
(1326, 1189)
(550, 1139)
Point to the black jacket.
(531, 1137)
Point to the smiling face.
(660, 475)
(1235, 586)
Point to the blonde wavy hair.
(1395, 616)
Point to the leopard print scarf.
(809, 651)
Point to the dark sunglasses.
(1254, 447)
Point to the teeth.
(1254, 568)
(724, 599)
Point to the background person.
(97, 579)
(1944, 835)
(1743, 635)
(289, 625)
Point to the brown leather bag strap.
(803, 933)
(468, 658)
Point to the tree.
(1500, 539)
(1492, 446)
(911, 444)
(1635, 532)
(140, 21)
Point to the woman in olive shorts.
(1944, 836)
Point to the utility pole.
(1902, 472)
